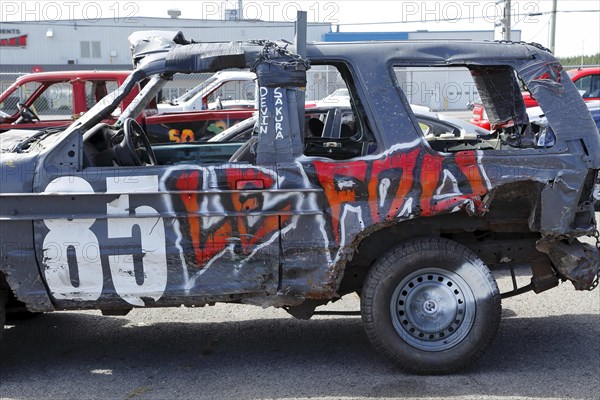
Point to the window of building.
(90, 49)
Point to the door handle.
(250, 184)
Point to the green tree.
(593, 59)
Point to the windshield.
(17, 93)
(104, 103)
(146, 95)
(105, 107)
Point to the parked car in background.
(223, 90)
(48, 99)
(587, 81)
(339, 122)
(536, 114)
(338, 98)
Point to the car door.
(52, 103)
(167, 235)
(55, 103)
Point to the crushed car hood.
(26, 141)
(17, 172)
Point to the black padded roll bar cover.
(500, 82)
(205, 57)
(146, 43)
(284, 74)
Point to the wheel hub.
(432, 309)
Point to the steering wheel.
(27, 113)
(137, 142)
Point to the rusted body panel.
(282, 228)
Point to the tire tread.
(388, 261)
(3, 299)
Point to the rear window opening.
(449, 91)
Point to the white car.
(223, 90)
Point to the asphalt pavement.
(548, 347)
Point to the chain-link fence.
(439, 88)
(8, 78)
(321, 82)
(56, 100)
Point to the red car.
(47, 99)
(587, 81)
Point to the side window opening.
(584, 84)
(107, 145)
(315, 123)
(56, 102)
(96, 90)
(338, 128)
(20, 95)
(448, 90)
(233, 94)
(592, 91)
(183, 87)
(501, 91)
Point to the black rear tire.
(431, 306)
(21, 315)
(3, 296)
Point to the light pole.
(506, 21)
(553, 27)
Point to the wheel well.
(506, 232)
(3, 282)
(11, 302)
(4, 289)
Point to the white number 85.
(75, 237)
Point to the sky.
(577, 26)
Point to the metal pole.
(507, 20)
(553, 27)
(301, 29)
(240, 10)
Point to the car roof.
(67, 75)
(432, 52)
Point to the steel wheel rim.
(433, 309)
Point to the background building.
(102, 44)
(417, 35)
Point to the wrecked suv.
(94, 217)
